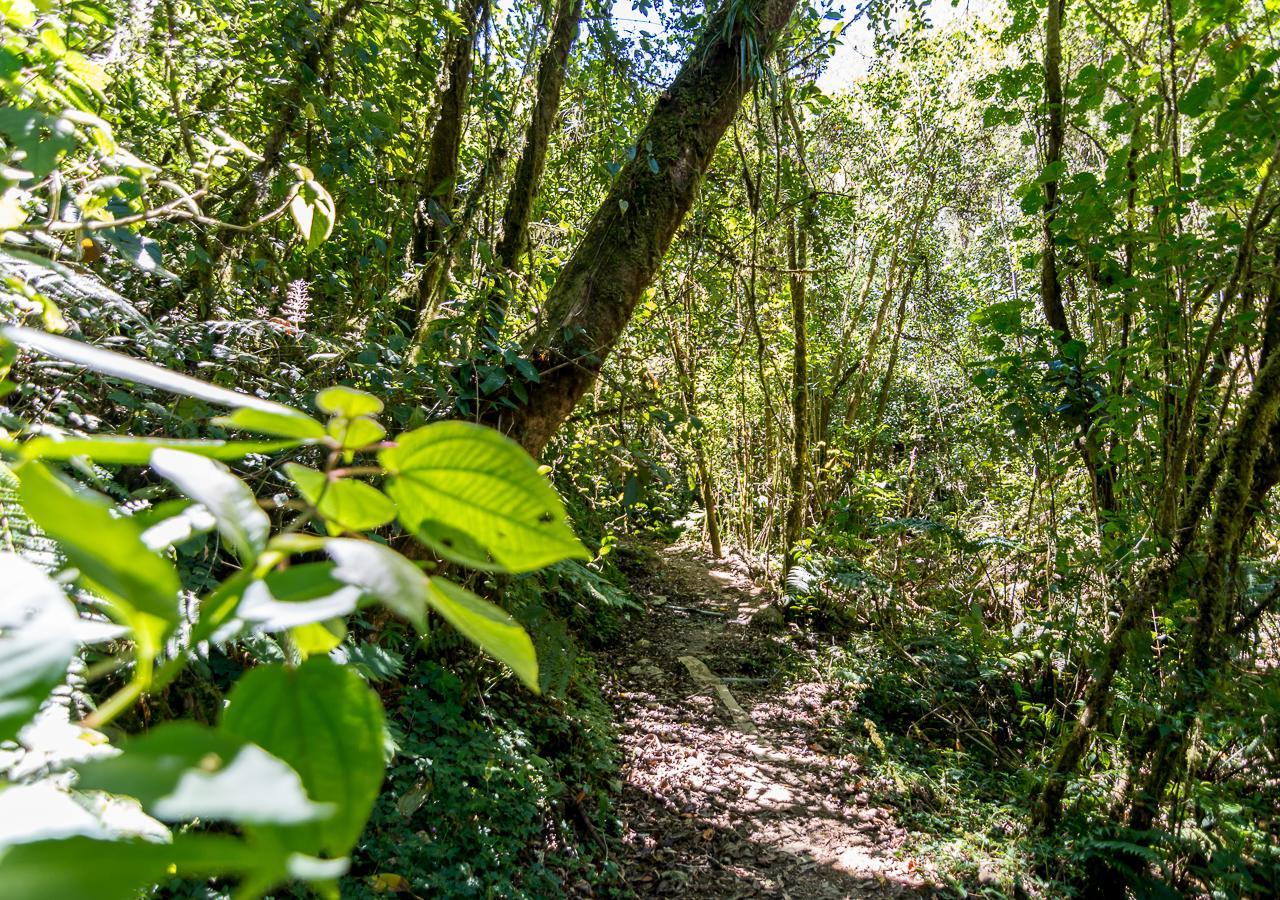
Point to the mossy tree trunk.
(625, 241)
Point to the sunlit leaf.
(136, 451)
(344, 503)
(37, 641)
(129, 369)
(107, 549)
(326, 723)
(488, 626)
(478, 482)
(183, 770)
(292, 424)
(349, 402)
(233, 505)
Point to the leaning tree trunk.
(619, 255)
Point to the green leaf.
(313, 212)
(183, 770)
(119, 366)
(81, 867)
(352, 434)
(137, 249)
(317, 638)
(136, 451)
(293, 424)
(120, 870)
(473, 480)
(209, 482)
(456, 546)
(1052, 172)
(108, 550)
(491, 628)
(383, 574)
(325, 722)
(37, 641)
(298, 595)
(387, 576)
(345, 504)
(348, 402)
(1195, 101)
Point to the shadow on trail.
(713, 808)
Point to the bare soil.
(725, 806)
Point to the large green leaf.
(183, 770)
(83, 867)
(325, 722)
(298, 595)
(344, 504)
(107, 549)
(387, 576)
(341, 400)
(487, 625)
(293, 424)
(209, 482)
(120, 366)
(136, 451)
(37, 641)
(383, 574)
(473, 480)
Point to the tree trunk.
(1055, 109)
(886, 383)
(527, 180)
(437, 188)
(689, 400)
(592, 300)
(1092, 453)
(798, 260)
(253, 187)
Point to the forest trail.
(733, 804)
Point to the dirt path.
(747, 804)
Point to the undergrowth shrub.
(498, 796)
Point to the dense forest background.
(970, 359)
